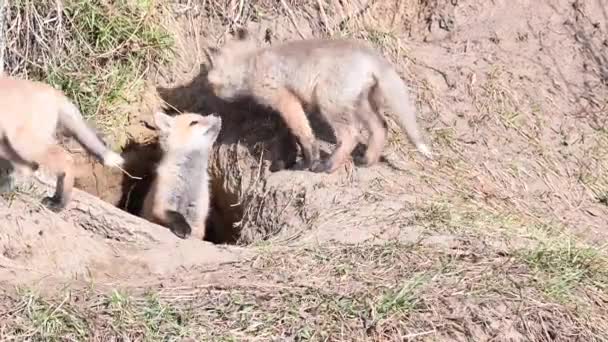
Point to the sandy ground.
(512, 95)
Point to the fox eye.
(195, 122)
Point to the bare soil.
(500, 238)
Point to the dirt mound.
(110, 244)
(513, 97)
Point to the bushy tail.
(72, 120)
(393, 91)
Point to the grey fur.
(181, 187)
(189, 184)
(331, 75)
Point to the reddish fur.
(346, 81)
(29, 115)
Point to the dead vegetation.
(97, 52)
(502, 237)
(382, 292)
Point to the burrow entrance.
(245, 125)
(128, 194)
(261, 133)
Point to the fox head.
(187, 132)
(228, 72)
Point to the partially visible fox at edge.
(345, 80)
(30, 113)
(179, 195)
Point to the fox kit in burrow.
(344, 79)
(179, 195)
(29, 115)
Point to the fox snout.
(214, 81)
(216, 88)
(212, 77)
(216, 123)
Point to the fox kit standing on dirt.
(179, 195)
(29, 115)
(345, 80)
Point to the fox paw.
(322, 166)
(364, 161)
(34, 166)
(27, 170)
(178, 225)
(53, 204)
(279, 165)
(361, 161)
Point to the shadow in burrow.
(260, 130)
(141, 161)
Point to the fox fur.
(179, 195)
(30, 113)
(345, 80)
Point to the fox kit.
(345, 80)
(29, 115)
(179, 195)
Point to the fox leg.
(377, 128)
(20, 163)
(177, 223)
(290, 109)
(199, 217)
(285, 152)
(163, 215)
(346, 135)
(199, 228)
(171, 219)
(59, 162)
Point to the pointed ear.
(163, 121)
(242, 34)
(215, 128)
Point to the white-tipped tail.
(425, 150)
(394, 92)
(112, 159)
(70, 118)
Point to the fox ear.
(242, 34)
(163, 121)
(216, 126)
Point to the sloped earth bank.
(499, 238)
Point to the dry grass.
(98, 53)
(392, 292)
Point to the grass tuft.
(97, 52)
(44, 320)
(561, 270)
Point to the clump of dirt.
(512, 95)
